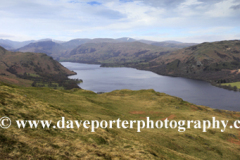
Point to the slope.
(26, 68)
(216, 61)
(111, 143)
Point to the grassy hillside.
(234, 84)
(47, 104)
(217, 61)
(33, 69)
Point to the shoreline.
(219, 85)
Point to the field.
(237, 84)
(28, 103)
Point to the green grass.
(76, 104)
(237, 84)
(46, 85)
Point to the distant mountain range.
(13, 45)
(115, 53)
(102, 50)
(216, 61)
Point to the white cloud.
(191, 2)
(67, 19)
(215, 30)
(222, 9)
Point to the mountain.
(34, 69)
(72, 44)
(111, 40)
(115, 53)
(102, 40)
(173, 44)
(49, 39)
(216, 61)
(61, 50)
(146, 41)
(52, 48)
(8, 44)
(48, 47)
(125, 39)
(99, 50)
(169, 44)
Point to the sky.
(193, 21)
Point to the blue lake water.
(99, 79)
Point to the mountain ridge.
(115, 53)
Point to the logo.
(5, 122)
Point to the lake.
(100, 79)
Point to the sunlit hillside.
(20, 103)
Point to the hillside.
(33, 69)
(110, 54)
(173, 44)
(216, 61)
(111, 143)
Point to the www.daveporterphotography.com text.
(92, 125)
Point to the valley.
(34, 86)
(120, 80)
(215, 62)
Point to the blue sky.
(158, 20)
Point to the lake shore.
(101, 79)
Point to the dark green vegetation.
(233, 86)
(38, 70)
(30, 103)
